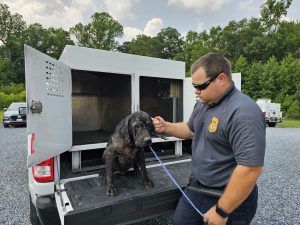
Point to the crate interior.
(92, 163)
(99, 102)
(163, 97)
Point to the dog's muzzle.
(148, 141)
(143, 142)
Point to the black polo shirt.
(228, 133)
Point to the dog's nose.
(148, 140)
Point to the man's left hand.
(212, 218)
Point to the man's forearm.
(240, 185)
(179, 130)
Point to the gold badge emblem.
(213, 125)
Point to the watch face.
(221, 212)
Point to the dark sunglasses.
(204, 85)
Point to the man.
(228, 132)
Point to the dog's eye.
(140, 125)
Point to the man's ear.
(222, 79)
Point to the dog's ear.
(132, 122)
(123, 129)
(146, 118)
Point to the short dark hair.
(213, 64)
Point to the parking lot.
(279, 186)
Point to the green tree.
(58, 39)
(287, 40)
(11, 28)
(269, 79)
(37, 37)
(171, 42)
(143, 45)
(7, 73)
(289, 84)
(193, 48)
(271, 13)
(253, 82)
(250, 76)
(100, 33)
(50, 41)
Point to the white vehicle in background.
(271, 111)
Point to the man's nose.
(197, 92)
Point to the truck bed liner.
(92, 206)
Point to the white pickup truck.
(271, 111)
(74, 104)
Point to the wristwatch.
(221, 212)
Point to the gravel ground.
(279, 186)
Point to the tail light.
(264, 114)
(42, 172)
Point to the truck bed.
(92, 206)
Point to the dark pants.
(185, 214)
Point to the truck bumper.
(47, 211)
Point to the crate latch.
(36, 107)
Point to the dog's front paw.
(137, 173)
(111, 191)
(148, 183)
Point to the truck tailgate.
(90, 205)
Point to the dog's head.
(136, 129)
(140, 128)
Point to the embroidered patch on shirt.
(213, 125)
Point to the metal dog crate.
(82, 97)
(99, 102)
(107, 86)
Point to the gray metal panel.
(81, 58)
(85, 113)
(49, 82)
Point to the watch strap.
(221, 212)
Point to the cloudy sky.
(142, 16)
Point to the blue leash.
(175, 182)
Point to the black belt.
(195, 186)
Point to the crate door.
(48, 90)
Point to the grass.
(289, 123)
(1, 115)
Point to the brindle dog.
(125, 148)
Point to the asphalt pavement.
(279, 185)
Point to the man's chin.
(202, 100)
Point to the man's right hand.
(159, 124)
